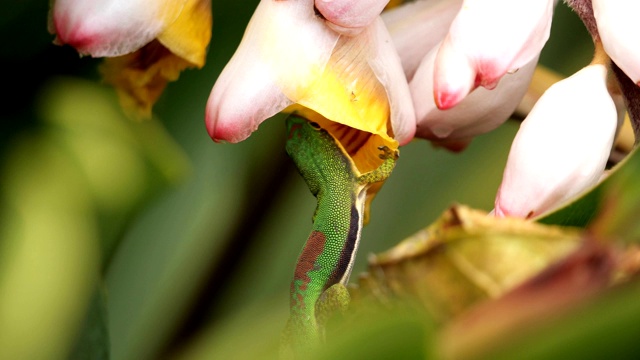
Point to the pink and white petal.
(274, 27)
(387, 67)
(349, 17)
(484, 43)
(481, 111)
(111, 27)
(562, 146)
(242, 98)
(267, 73)
(619, 30)
(453, 75)
(417, 27)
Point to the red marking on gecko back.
(306, 263)
(294, 130)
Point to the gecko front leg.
(383, 171)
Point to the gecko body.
(329, 253)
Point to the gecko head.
(301, 133)
(299, 127)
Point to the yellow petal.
(140, 77)
(189, 35)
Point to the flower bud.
(481, 111)
(484, 43)
(561, 148)
(619, 31)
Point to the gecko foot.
(384, 170)
(387, 153)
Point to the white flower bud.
(561, 148)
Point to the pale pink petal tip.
(446, 99)
(488, 76)
(74, 35)
(232, 132)
(233, 129)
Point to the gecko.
(325, 263)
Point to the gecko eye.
(314, 125)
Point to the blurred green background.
(195, 242)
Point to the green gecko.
(325, 263)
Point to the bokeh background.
(143, 240)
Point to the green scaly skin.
(328, 255)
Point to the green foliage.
(64, 211)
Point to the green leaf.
(619, 209)
(463, 258)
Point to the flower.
(450, 47)
(617, 23)
(149, 42)
(468, 74)
(289, 59)
(562, 146)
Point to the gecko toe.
(387, 153)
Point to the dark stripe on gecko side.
(347, 250)
(306, 263)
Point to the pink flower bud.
(486, 40)
(481, 111)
